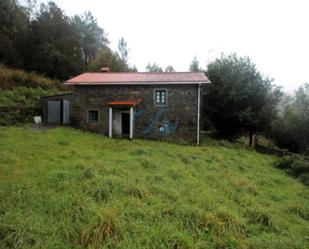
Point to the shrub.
(304, 179)
(24, 96)
(17, 115)
(295, 166)
(11, 78)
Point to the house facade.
(164, 106)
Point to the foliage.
(295, 166)
(154, 68)
(13, 115)
(23, 89)
(123, 49)
(107, 58)
(92, 37)
(195, 65)
(54, 45)
(240, 99)
(47, 41)
(24, 96)
(169, 69)
(64, 188)
(290, 128)
(11, 78)
(13, 32)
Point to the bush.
(24, 96)
(305, 179)
(11, 78)
(17, 115)
(295, 166)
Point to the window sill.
(160, 105)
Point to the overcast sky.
(273, 33)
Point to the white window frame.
(155, 96)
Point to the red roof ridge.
(139, 77)
(143, 72)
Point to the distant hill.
(64, 188)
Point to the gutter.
(136, 83)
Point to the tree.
(123, 49)
(169, 69)
(240, 99)
(47, 41)
(92, 37)
(54, 47)
(13, 30)
(154, 68)
(194, 66)
(290, 128)
(107, 58)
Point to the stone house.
(164, 106)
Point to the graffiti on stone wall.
(161, 118)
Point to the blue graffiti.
(160, 118)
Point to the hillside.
(21, 88)
(65, 188)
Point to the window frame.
(155, 96)
(88, 113)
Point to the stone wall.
(179, 116)
(11, 115)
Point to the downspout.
(131, 122)
(110, 126)
(198, 113)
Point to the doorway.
(58, 111)
(125, 123)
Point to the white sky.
(273, 33)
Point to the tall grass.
(24, 96)
(21, 88)
(10, 78)
(65, 188)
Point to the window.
(93, 116)
(160, 97)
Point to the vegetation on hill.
(64, 188)
(240, 99)
(296, 166)
(44, 39)
(20, 88)
(290, 128)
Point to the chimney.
(105, 69)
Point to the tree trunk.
(250, 138)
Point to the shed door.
(53, 112)
(66, 112)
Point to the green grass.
(24, 96)
(21, 88)
(65, 188)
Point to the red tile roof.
(124, 103)
(138, 78)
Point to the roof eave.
(139, 83)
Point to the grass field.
(65, 188)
